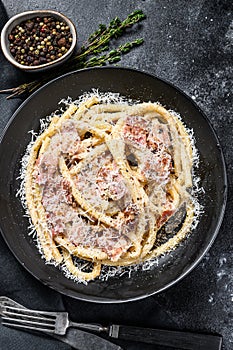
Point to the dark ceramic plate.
(136, 85)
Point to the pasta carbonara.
(104, 179)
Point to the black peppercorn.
(29, 59)
(42, 60)
(29, 25)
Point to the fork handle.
(175, 339)
(89, 326)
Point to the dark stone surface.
(189, 43)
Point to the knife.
(172, 339)
(76, 338)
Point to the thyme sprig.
(95, 52)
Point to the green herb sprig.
(95, 52)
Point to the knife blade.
(76, 338)
(86, 341)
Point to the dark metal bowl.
(135, 85)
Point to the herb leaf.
(89, 54)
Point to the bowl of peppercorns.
(38, 40)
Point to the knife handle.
(175, 339)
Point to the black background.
(189, 43)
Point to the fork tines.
(28, 319)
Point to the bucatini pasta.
(105, 179)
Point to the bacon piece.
(164, 217)
(156, 167)
(67, 191)
(114, 253)
(159, 136)
(135, 130)
(169, 210)
(130, 212)
(110, 182)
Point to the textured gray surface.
(189, 43)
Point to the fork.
(58, 322)
(51, 322)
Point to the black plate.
(136, 85)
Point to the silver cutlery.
(58, 323)
(76, 338)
